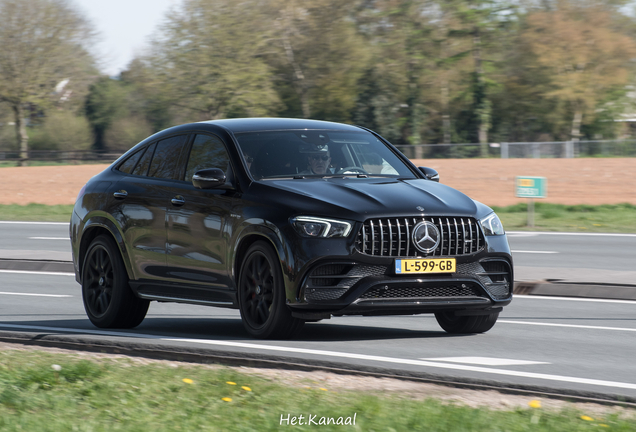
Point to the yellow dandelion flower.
(227, 399)
(603, 425)
(188, 381)
(587, 418)
(246, 388)
(323, 389)
(230, 383)
(535, 404)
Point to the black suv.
(289, 221)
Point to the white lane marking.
(35, 295)
(38, 272)
(323, 353)
(49, 238)
(485, 361)
(535, 252)
(34, 223)
(579, 299)
(568, 325)
(536, 233)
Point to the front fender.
(251, 231)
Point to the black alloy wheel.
(108, 300)
(261, 295)
(454, 324)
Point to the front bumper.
(361, 288)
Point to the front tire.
(261, 295)
(108, 300)
(466, 324)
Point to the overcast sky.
(124, 27)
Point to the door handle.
(120, 194)
(178, 200)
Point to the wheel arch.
(95, 227)
(256, 233)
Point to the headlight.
(492, 225)
(318, 227)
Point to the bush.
(61, 130)
(126, 132)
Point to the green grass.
(119, 394)
(548, 217)
(36, 212)
(8, 164)
(619, 218)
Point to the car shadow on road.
(229, 328)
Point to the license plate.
(419, 266)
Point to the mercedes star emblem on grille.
(426, 236)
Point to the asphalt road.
(582, 346)
(562, 345)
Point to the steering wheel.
(352, 170)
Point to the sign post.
(531, 187)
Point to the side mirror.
(209, 178)
(430, 173)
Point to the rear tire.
(466, 324)
(261, 295)
(108, 300)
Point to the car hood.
(347, 197)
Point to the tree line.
(416, 71)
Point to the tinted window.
(144, 163)
(166, 158)
(207, 152)
(130, 163)
(291, 153)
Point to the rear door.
(140, 201)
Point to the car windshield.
(319, 153)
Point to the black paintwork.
(185, 244)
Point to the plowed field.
(491, 181)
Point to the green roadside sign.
(531, 187)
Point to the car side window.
(144, 163)
(207, 152)
(128, 165)
(166, 158)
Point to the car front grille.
(392, 237)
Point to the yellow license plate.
(419, 266)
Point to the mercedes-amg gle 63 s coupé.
(289, 221)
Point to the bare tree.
(43, 43)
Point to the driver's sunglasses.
(325, 158)
(249, 159)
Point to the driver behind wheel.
(319, 161)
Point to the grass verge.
(42, 391)
(618, 218)
(36, 212)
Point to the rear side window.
(130, 163)
(207, 152)
(166, 158)
(144, 163)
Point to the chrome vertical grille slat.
(372, 239)
(408, 236)
(397, 222)
(381, 238)
(463, 236)
(392, 237)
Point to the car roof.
(258, 124)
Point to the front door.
(199, 226)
